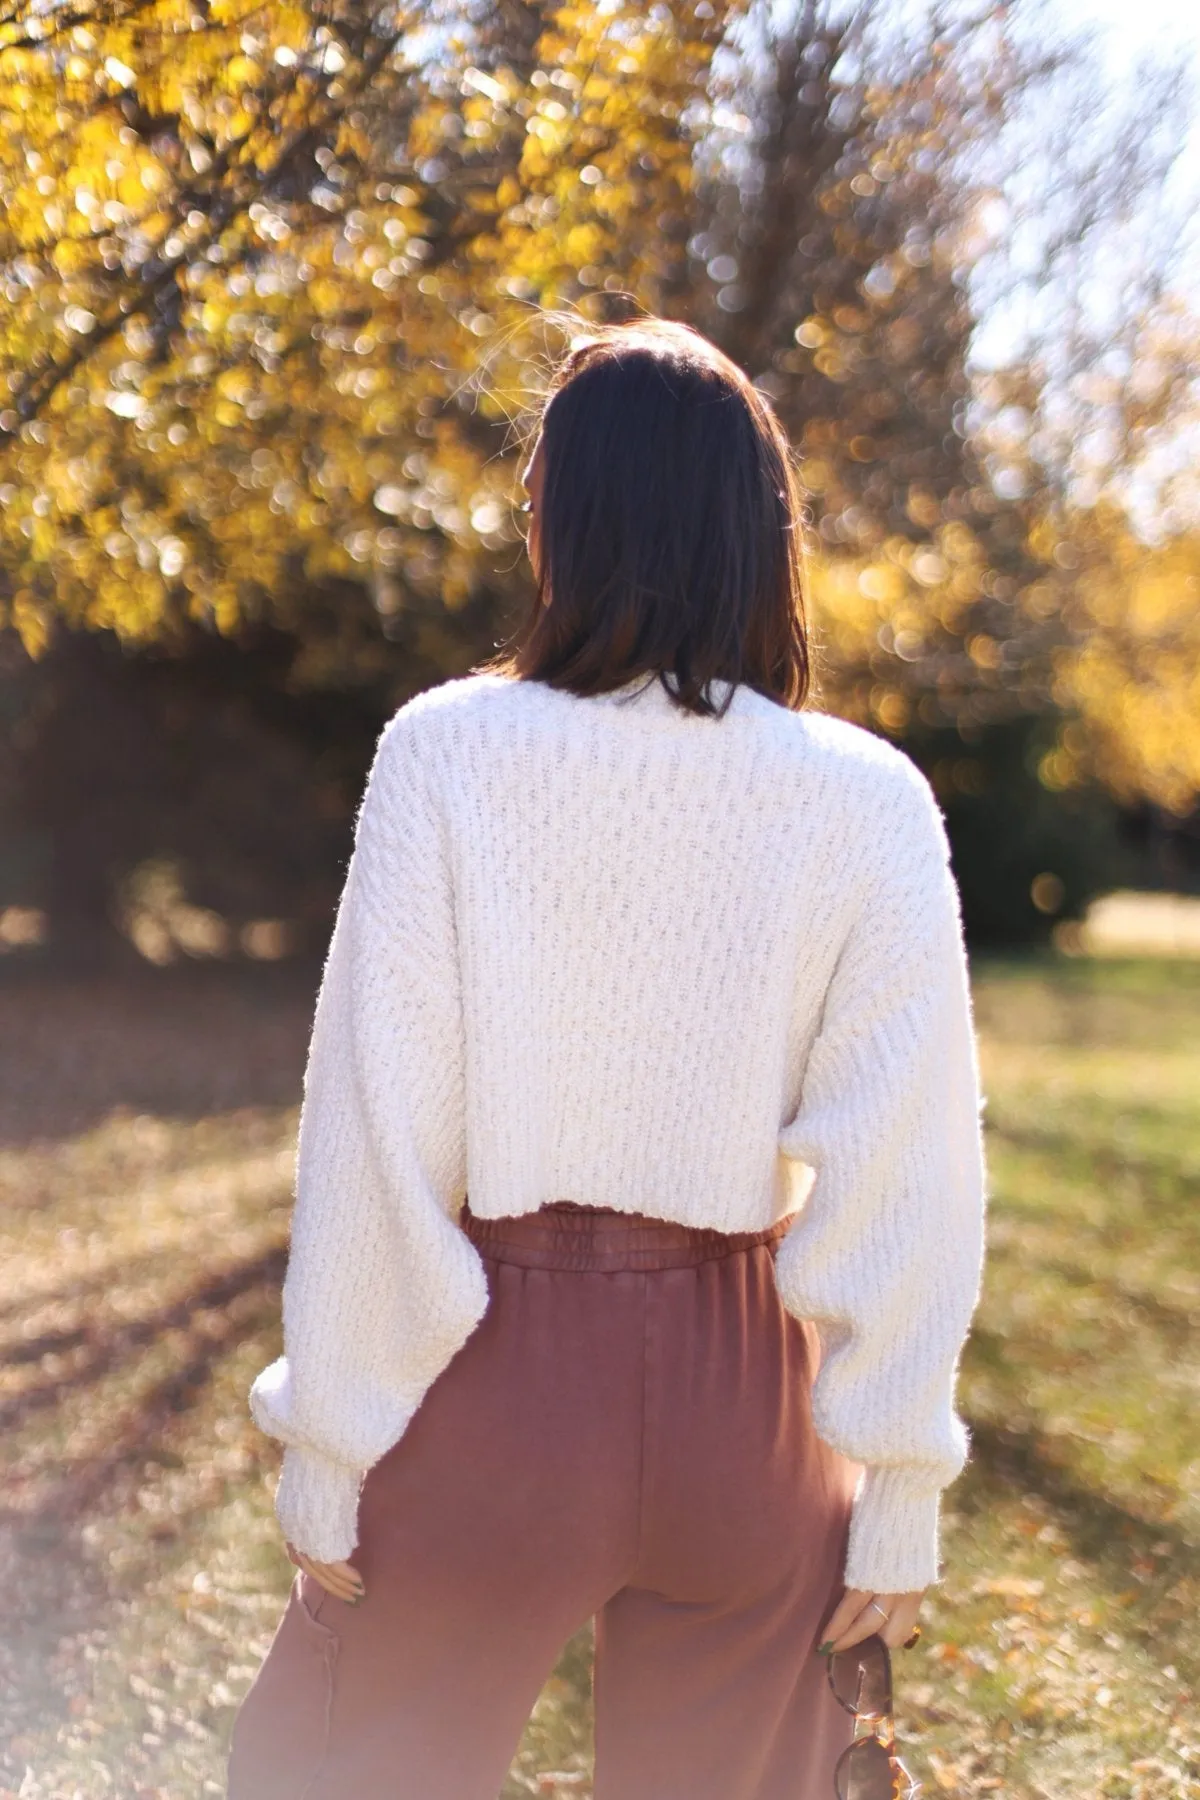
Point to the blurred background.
(270, 335)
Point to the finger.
(868, 1622)
(864, 1626)
(340, 1590)
(847, 1610)
(902, 1611)
(327, 1578)
(337, 1583)
(850, 1606)
(900, 1624)
(346, 1571)
(340, 1579)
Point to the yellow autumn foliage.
(269, 291)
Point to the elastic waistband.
(566, 1235)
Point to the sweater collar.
(646, 693)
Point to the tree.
(251, 261)
(269, 292)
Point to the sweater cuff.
(894, 1532)
(316, 1504)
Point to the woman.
(666, 973)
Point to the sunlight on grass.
(137, 1543)
(1064, 1649)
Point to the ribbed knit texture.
(599, 949)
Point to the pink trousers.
(627, 1435)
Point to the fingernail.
(826, 1648)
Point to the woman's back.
(707, 969)
(649, 906)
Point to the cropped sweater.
(605, 950)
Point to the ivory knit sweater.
(603, 950)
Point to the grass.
(145, 1157)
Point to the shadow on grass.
(63, 1593)
(132, 1271)
(138, 1436)
(111, 1346)
(1117, 1540)
(136, 1440)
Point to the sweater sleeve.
(886, 1252)
(383, 1287)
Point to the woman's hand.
(341, 1579)
(860, 1613)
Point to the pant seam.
(329, 1655)
(645, 1427)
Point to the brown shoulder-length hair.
(670, 525)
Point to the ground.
(146, 1136)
